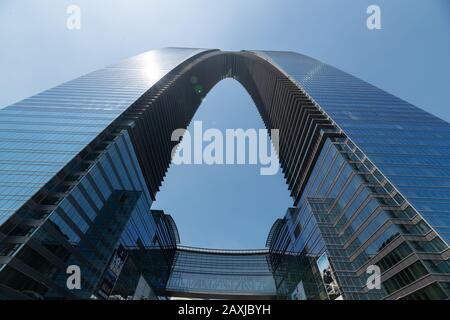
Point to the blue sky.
(229, 206)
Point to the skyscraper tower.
(81, 164)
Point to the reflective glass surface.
(41, 134)
(410, 146)
(221, 272)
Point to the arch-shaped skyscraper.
(81, 163)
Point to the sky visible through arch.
(226, 204)
(408, 57)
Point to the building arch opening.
(228, 200)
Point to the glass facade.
(344, 215)
(41, 134)
(221, 274)
(409, 146)
(80, 165)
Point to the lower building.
(349, 225)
